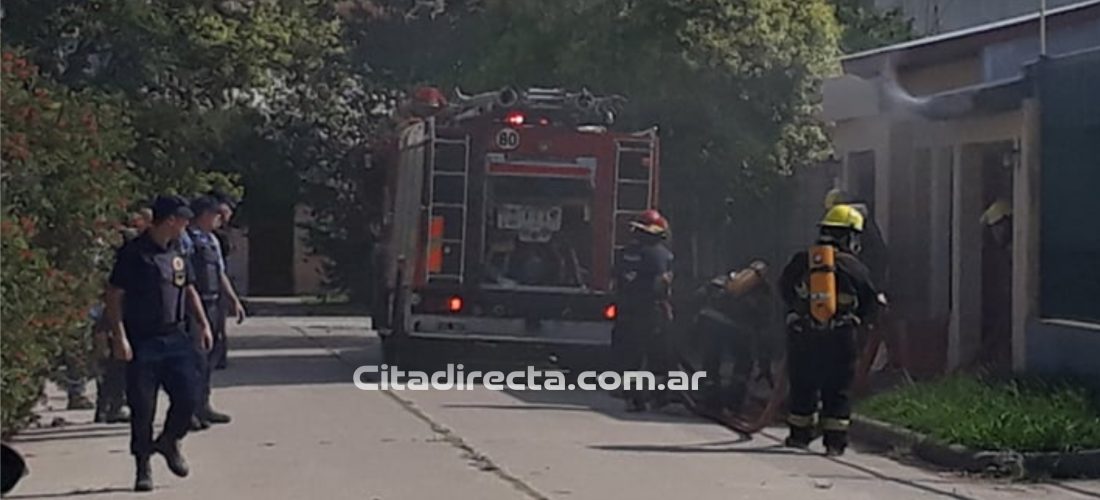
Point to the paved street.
(302, 430)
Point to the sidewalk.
(300, 430)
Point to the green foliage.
(866, 28)
(64, 185)
(1015, 415)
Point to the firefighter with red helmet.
(828, 293)
(643, 285)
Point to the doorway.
(998, 162)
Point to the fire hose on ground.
(743, 424)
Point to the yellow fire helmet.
(843, 216)
(996, 212)
(834, 197)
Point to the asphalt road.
(302, 430)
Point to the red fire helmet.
(652, 222)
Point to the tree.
(64, 182)
(733, 85)
(865, 28)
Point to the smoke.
(900, 104)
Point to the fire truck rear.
(504, 214)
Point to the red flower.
(8, 56)
(26, 254)
(94, 163)
(28, 224)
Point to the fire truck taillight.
(610, 312)
(514, 118)
(454, 304)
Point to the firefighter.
(873, 251)
(734, 320)
(827, 299)
(643, 287)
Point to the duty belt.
(804, 323)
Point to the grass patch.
(994, 415)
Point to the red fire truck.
(504, 212)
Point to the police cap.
(166, 206)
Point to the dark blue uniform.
(205, 258)
(642, 287)
(154, 280)
(821, 362)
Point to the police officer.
(821, 355)
(231, 304)
(149, 288)
(111, 379)
(201, 247)
(643, 286)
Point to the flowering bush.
(63, 187)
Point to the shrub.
(63, 185)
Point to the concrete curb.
(1082, 464)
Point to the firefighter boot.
(835, 442)
(144, 477)
(799, 437)
(801, 431)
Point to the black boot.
(799, 437)
(213, 416)
(835, 443)
(198, 424)
(144, 476)
(170, 450)
(117, 415)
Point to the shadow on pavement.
(263, 342)
(276, 369)
(301, 306)
(435, 355)
(97, 433)
(905, 482)
(723, 448)
(97, 491)
(516, 407)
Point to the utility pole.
(1042, 28)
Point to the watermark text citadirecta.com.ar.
(455, 377)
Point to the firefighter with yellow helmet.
(828, 292)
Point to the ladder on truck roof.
(634, 161)
(448, 169)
